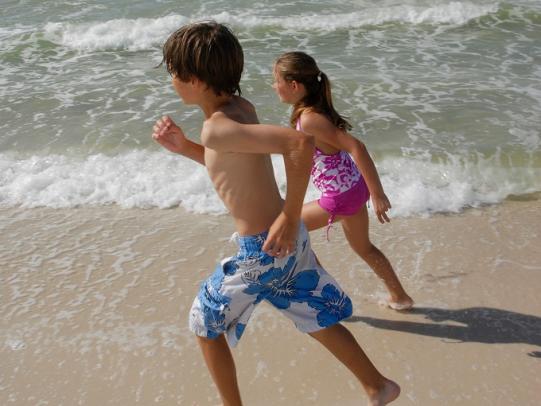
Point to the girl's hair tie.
(319, 76)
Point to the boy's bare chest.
(236, 168)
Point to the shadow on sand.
(473, 324)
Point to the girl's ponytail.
(302, 68)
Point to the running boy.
(274, 261)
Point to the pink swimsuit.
(343, 189)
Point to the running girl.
(344, 191)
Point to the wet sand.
(94, 305)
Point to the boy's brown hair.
(208, 51)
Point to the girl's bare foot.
(385, 395)
(403, 304)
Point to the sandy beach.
(94, 305)
(101, 253)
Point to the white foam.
(132, 34)
(135, 179)
(421, 186)
(147, 33)
(144, 179)
(453, 13)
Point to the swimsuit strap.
(329, 226)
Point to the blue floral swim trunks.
(296, 285)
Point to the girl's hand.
(381, 206)
(169, 135)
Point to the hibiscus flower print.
(239, 329)
(213, 303)
(281, 286)
(333, 306)
(214, 321)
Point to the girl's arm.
(325, 132)
(171, 136)
(370, 174)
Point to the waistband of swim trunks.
(251, 243)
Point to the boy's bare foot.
(387, 394)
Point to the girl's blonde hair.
(302, 68)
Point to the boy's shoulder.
(242, 111)
(228, 120)
(244, 104)
(238, 109)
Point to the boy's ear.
(195, 82)
(198, 84)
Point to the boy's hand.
(381, 206)
(169, 135)
(282, 237)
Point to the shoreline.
(95, 301)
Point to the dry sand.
(94, 304)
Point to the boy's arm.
(223, 134)
(283, 232)
(171, 136)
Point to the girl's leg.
(341, 343)
(313, 216)
(222, 368)
(356, 231)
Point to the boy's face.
(288, 92)
(186, 90)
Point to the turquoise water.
(446, 96)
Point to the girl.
(344, 191)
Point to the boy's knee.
(327, 331)
(204, 340)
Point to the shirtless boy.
(274, 261)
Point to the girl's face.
(288, 92)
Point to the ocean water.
(446, 95)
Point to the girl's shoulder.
(324, 131)
(310, 118)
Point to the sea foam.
(131, 34)
(145, 179)
(146, 33)
(453, 13)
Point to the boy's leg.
(341, 343)
(356, 231)
(221, 366)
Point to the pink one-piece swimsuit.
(343, 189)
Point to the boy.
(274, 261)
